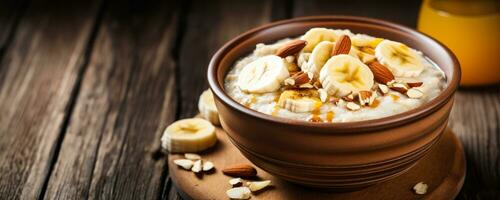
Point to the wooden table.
(86, 89)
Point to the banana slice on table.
(300, 100)
(316, 35)
(318, 58)
(263, 75)
(188, 136)
(206, 106)
(362, 40)
(399, 58)
(343, 74)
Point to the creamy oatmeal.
(329, 75)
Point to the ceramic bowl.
(341, 156)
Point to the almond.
(401, 90)
(365, 97)
(342, 45)
(291, 48)
(240, 170)
(383, 88)
(380, 72)
(353, 106)
(300, 78)
(414, 93)
(415, 84)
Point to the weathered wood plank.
(209, 25)
(112, 146)
(403, 12)
(476, 120)
(37, 76)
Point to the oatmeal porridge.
(330, 75)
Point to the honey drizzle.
(375, 103)
(329, 116)
(394, 97)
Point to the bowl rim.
(364, 125)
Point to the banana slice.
(300, 100)
(263, 75)
(206, 106)
(399, 58)
(189, 135)
(362, 40)
(316, 35)
(318, 58)
(343, 74)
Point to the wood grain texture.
(112, 146)
(37, 76)
(208, 26)
(402, 12)
(10, 14)
(475, 118)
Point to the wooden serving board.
(442, 169)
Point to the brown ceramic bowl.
(341, 156)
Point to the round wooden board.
(443, 170)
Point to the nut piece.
(400, 87)
(239, 193)
(415, 84)
(349, 97)
(197, 166)
(366, 97)
(380, 72)
(184, 163)
(414, 93)
(342, 45)
(291, 48)
(420, 188)
(353, 106)
(240, 170)
(258, 185)
(383, 88)
(207, 166)
(323, 96)
(192, 156)
(236, 182)
(300, 78)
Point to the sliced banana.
(189, 135)
(362, 40)
(318, 58)
(263, 75)
(399, 58)
(316, 35)
(344, 74)
(206, 106)
(299, 101)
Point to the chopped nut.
(197, 166)
(383, 88)
(258, 185)
(420, 188)
(349, 97)
(414, 93)
(365, 97)
(192, 156)
(317, 85)
(184, 163)
(207, 166)
(306, 85)
(239, 193)
(323, 96)
(290, 59)
(353, 106)
(289, 82)
(415, 84)
(400, 87)
(236, 182)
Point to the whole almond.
(300, 78)
(240, 170)
(291, 48)
(380, 72)
(342, 45)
